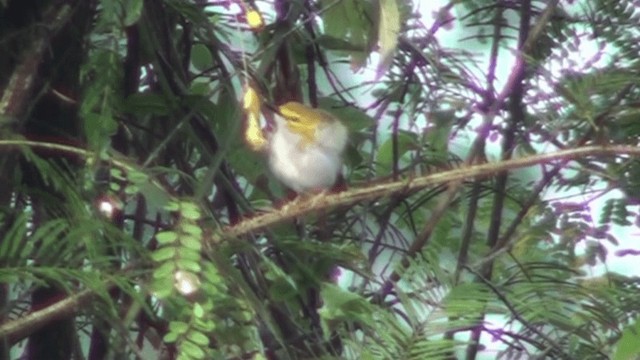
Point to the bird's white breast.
(304, 166)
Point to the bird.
(306, 147)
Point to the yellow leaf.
(388, 32)
(253, 133)
(254, 19)
(251, 101)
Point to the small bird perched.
(305, 148)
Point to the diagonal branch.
(18, 329)
(321, 201)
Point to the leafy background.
(135, 223)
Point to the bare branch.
(321, 201)
(18, 329)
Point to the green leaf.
(192, 229)
(198, 338)
(281, 289)
(156, 197)
(438, 135)
(340, 304)
(198, 311)
(131, 189)
(164, 254)
(388, 32)
(117, 174)
(350, 20)
(189, 210)
(165, 270)
(132, 10)
(137, 177)
(407, 141)
(48, 238)
(166, 237)
(99, 127)
(162, 287)
(212, 275)
(247, 163)
(628, 347)
(172, 206)
(466, 298)
(13, 239)
(189, 265)
(191, 242)
(187, 253)
(205, 325)
(201, 57)
(170, 337)
(192, 350)
(178, 327)
(200, 87)
(353, 118)
(183, 356)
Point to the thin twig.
(517, 316)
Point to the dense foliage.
(487, 176)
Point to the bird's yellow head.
(304, 120)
